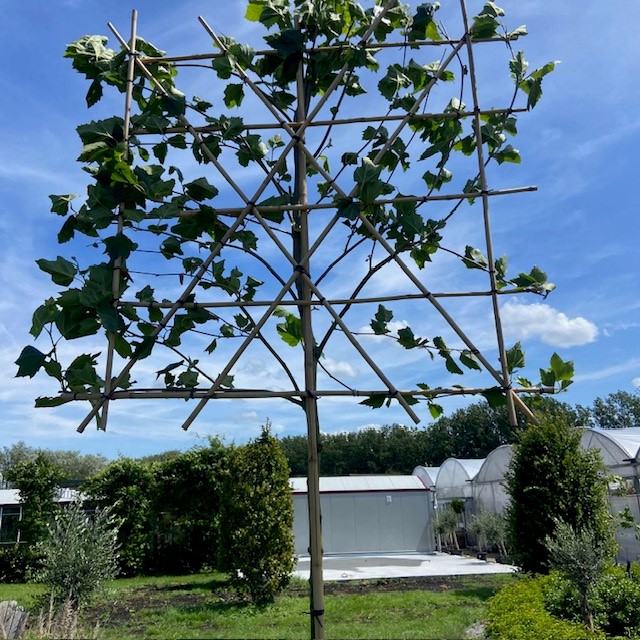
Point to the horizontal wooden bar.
(378, 45)
(337, 122)
(222, 394)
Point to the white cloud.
(549, 325)
(636, 382)
(340, 368)
(602, 373)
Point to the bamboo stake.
(204, 267)
(299, 303)
(265, 394)
(339, 121)
(325, 97)
(230, 211)
(376, 45)
(117, 263)
(502, 354)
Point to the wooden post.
(310, 401)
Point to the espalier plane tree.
(310, 197)
(320, 171)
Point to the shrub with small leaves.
(615, 601)
(79, 555)
(517, 612)
(256, 513)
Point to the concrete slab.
(405, 565)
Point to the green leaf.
(423, 25)
(435, 410)
(212, 346)
(474, 258)
(60, 204)
(347, 208)
(43, 315)
(561, 370)
(233, 95)
(495, 397)
(288, 42)
(254, 10)
(406, 338)
(470, 360)
(515, 357)
(518, 67)
(62, 271)
(291, 329)
(200, 190)
(223, 67)
(375, 401)
(81, 374)
(119, 246)
(393, 81)
(501, 267)
(274, 201)
(44, 402)
(29, 362)
(160, 151)
(445, 353)
(508, 154)
(145, 294)
(381, 318)
(143, 349)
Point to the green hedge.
(517, 613)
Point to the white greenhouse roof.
(342, 484)
(428, 475)
(495, 464)
(618, 447)
(454, 477)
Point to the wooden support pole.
(502, 354)
(117, 263)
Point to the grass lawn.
(202, 606)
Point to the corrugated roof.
(360, 483)
(12, 496)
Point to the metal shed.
(367, 514)
(11, 511)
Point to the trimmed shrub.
(517, 612)
(550, 479)
(256, 546)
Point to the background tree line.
(470, 432)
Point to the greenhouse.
(454, 479)
(428, 475)
(620, 449)
(488, 485)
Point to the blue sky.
(581, 226)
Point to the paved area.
(405, 565)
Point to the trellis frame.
(309, 294)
